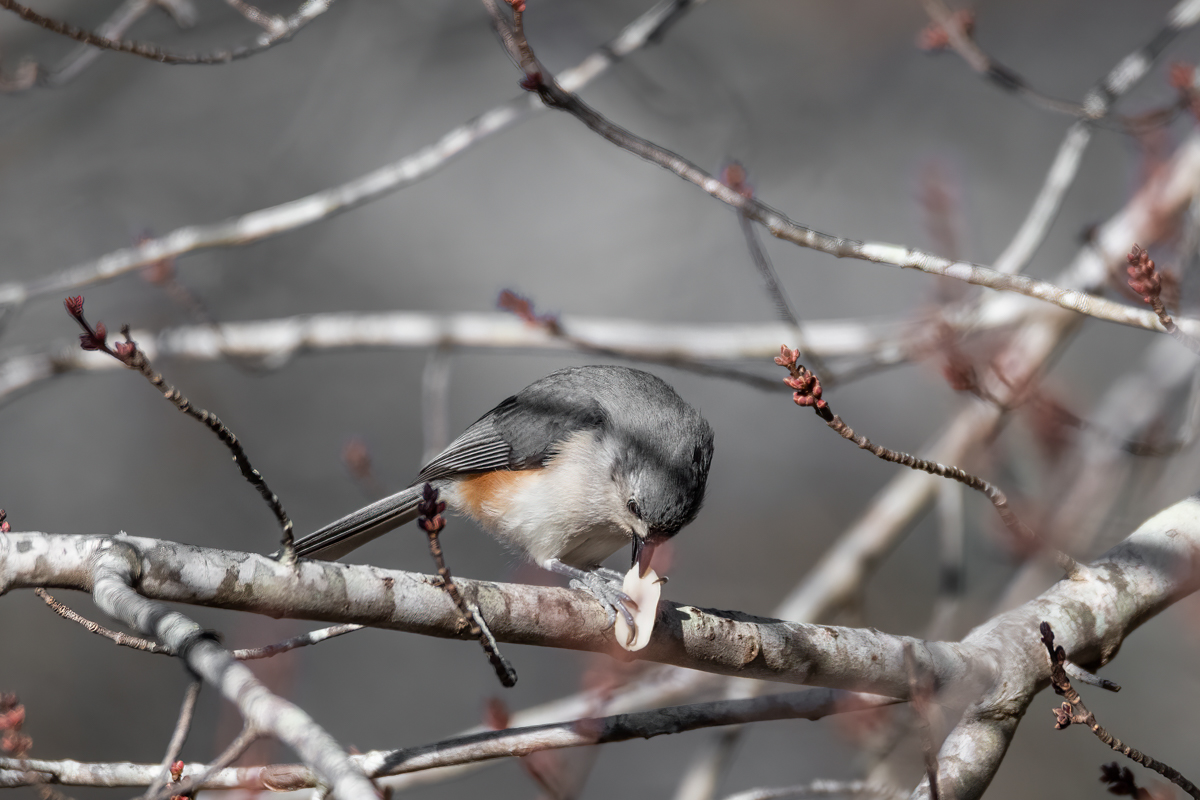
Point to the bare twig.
(308, 11)
(121, 638)
(128, 353)
(734, 176)
(114, 27)
(264, 223)
(303, 640)
(807, 392)
(483, 746)
(780, 226)
(236, 749)
(956, 29)
(183, 726)
(432, 522)
(1073, 711)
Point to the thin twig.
(264, 223)
(182, 727)
(308, 11)
(807, 391)
(432, 522)
(303, 640)
(236, 749)
(121, 638)
(114, 27)
(486, 745)
(129, 354)
(955, 29)
(782, 227)
(1073, 711)
(734, 176)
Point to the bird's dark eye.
(634, 509)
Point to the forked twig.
(1073, 711)
(128, 353)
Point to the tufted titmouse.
(568, 470)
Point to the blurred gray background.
(836, 115)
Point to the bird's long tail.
(354, 530)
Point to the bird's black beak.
(643, 551)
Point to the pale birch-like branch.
(997, 667)
(284, 30)
(113, 568)
(554, 95)
(711, 641)
(295, 214)
(274, 342)
(810, 704)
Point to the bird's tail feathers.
(354, 530)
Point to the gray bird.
(567, 471)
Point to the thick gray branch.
(469, 749)
(115, 569)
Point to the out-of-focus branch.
(183, 726)
(129, 12)
(287, 28)
(782, 227)
(821, 788)
(809, 704)
(114, 568)
(272, 221)
(956, 30)
(275, 342)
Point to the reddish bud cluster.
(786, 357)
(12, 717)
(1062, 716)
(808, 389)
(430, 508)
(806, 385)
(934, 36)
(734, 176)
(176, 771)
(4, 526)
(92, 338)
(1143, 277)
(523, 308)
(517, 6)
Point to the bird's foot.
(602, 584)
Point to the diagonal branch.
(274, 220)
(114, 571)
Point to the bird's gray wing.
(520, 433)
(523, 432)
